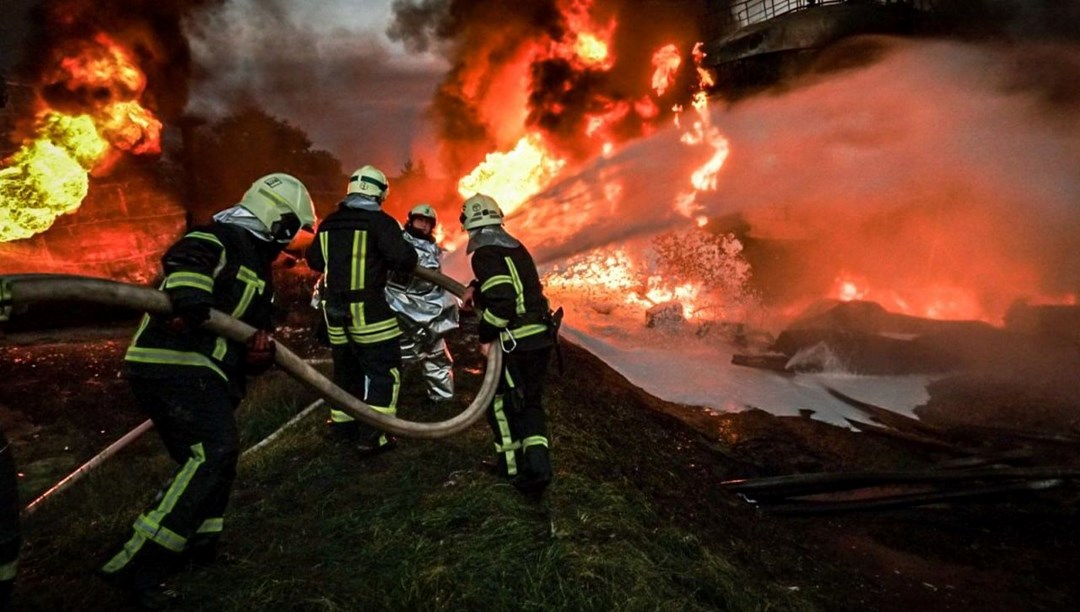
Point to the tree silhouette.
(413, 169)
(224, 158)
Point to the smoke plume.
(483, 104)
(152, 30)
(342, 85)
(945, 167)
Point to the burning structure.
(768, 38)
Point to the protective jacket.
(355, 248)
(426, 313)
(190, 383)
(511, 299)
(221, 266)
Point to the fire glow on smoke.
(49, 175)
(613, 274)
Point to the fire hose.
(25, 289)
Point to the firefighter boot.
(144, 576)
(345, 431)
(203, 551)
(536, 473)
(376, 445)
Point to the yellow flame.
(514, 176)
(48, 177)
(590, 49)
(130, 127)
(590, 44)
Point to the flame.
(613, 275)
(514, 176)
(49, 175)
(591, 50)
(589, 44)
(705, 274)
(701, 131)
(934, 300)
(666, 61)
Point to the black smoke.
(481, 37)
(153, 31)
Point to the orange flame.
(666, 62)
(589, 44)
(49, 175)
(933, 300)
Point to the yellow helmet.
(369, 181)
(424, 210)
(282, 203)
(480, 210)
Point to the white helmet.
(282, 203)
(480, 210)
(369, 181)
(426, 211)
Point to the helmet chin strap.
(286, 228)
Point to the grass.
(314, 527)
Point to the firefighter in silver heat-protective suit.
(426, 312)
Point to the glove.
(468, 299)
(260, 352)
(187, 316)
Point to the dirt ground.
(1005, 552)
(62, 402)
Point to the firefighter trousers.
(517, 417)
(9, 523)
(419, 345)
(372, 373)
(194, 417)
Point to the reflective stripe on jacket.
(226, 268)
(355, 249)
(512, 303)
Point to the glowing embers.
(98, 85)
(704, 274)
(514, 176)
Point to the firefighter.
(9, 523)
(515, 318)
(190, 380)
(355, 247)
(425, 311)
